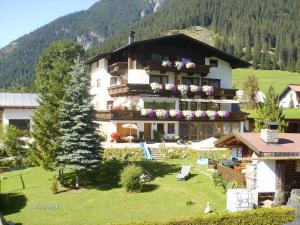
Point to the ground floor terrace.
(111, 122)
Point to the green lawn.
(289, 113)
(104, 202)
(279, 79)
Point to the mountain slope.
(88, 27)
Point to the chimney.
(270, 134)
(131, 37)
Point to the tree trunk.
(77, 184)
(61, 176)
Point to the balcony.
(118, 68)
(107, 115)
(203, 70)
(137, 89)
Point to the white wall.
(266, 176)
(138, 76)
(222, 72)
(100, 94)
(25, 114)
(285, 101)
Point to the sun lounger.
(184, 173)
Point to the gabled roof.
(234, 61)
(288, 142)
(18, 100)
(293, 87)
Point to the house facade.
(290, 97)
(271, 159)
(18, 109)
(173, 85)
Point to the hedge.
(273, 216)
(186, 152)
(131, 154)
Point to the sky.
(20, 17)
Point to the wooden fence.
(230, 174)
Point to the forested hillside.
(89, 27)
(264, 32)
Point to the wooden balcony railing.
(118, 68)
(137, 89)
(136, 115)
(203, 70)
(230, 174)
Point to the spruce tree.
(80, 141)
(270, 111)
(257, 52)
(51, 78)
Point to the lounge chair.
(184, 173)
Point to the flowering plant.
(176, 113)
(188, 115)
(162, 114)
(156, 87)
(208, 89)
(223, 114)
(148, 112)
(212, 115)
(183, 89)
(200, 114)
(195, 88)
(190, 65)
(179, 65)
(171, 87)
(166, 63)
(119, 107)
(173, 112)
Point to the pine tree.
(257, 52)
(270, 111)
(265, 58)
(52, 76)
(248, 55)
(80, 141)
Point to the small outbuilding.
(18, 109)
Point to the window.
(193, 106)
(113, 81)
(156, 57)
(211, 82)
(171, 128)
(159, 105)
(109, 104)
(98, 83)
(190, 80)
(184, 59)
(158, 79)
(20, 124)
(183, 106)
(210, 106)
(213, 63)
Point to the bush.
(273, 216)
(54, 186)
(131, 154)
(175, 153)
(4, 201)
(130, 178)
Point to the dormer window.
(156, 57)
(213, 63)
(113, 81)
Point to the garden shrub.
(130, 178)
(54, 186)
(186, 152)
(273, 216)
(131, 154)
(4, 201)
(219, 181)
